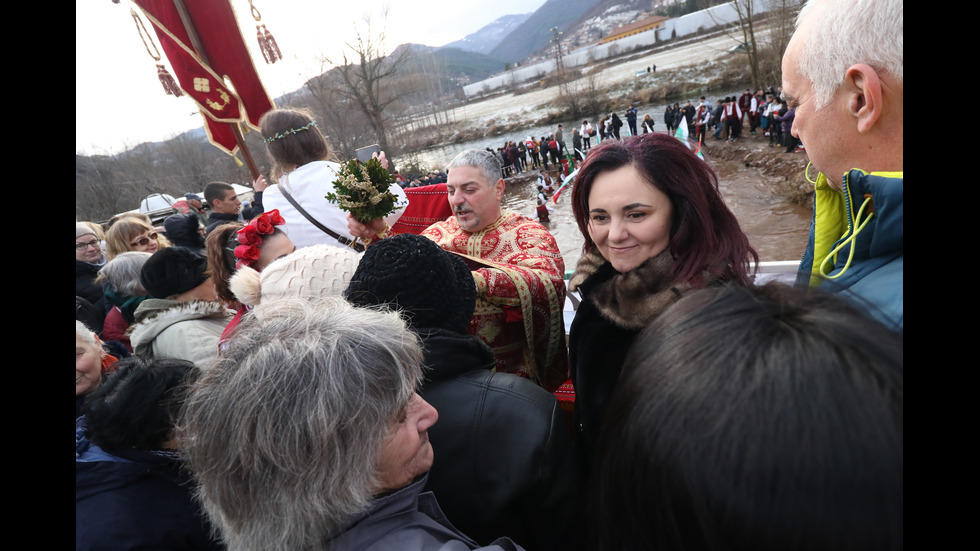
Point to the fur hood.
(632, 299)
(155, 314)
(183, 330)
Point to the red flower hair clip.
(250, 237)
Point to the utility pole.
(559, 64)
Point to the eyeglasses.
(87, 244)
(144, 241)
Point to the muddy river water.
(777, 229)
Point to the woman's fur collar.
(171, 311)
(632, 299)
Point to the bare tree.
(782, 17)
(365, 74)
(745, 10)
(188, 160)
(97, 194)
(345, 126)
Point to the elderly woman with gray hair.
(92, 362)
(125, 292)
(307, 433)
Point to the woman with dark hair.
(304, 169)
(185, 230)
(617, 123)
(131, 490)
(232, 246)
(785, 119)
(757, 418)
(220, 246)
(655, 227)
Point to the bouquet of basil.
(362, 190)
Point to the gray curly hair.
(284, 432)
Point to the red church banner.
(205, 48)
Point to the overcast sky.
(119, 101)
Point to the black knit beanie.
(433, 288)
(172, 271)
(182, 229)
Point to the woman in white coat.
(305, 176)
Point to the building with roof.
(649, 24)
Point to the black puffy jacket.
(504, 465)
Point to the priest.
(517, 269)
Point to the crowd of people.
(725, 120)
(297, 378)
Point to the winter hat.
(172, 271)
(81, 228)
(433, 288)
(309, 272)
(182, 230)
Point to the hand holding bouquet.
(362, 190)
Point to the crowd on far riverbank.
(726, 119)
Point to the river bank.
(783, 172)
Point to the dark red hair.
(704, 235)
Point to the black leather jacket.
(504, 464)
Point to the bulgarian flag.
(682, 135)
(564, 183)
(681, 132)
(209, 58)
(697, 150)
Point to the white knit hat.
(309, 272)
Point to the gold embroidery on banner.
(219, 106)
(202, 85)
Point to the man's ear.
(498, 189)
(865, 100)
